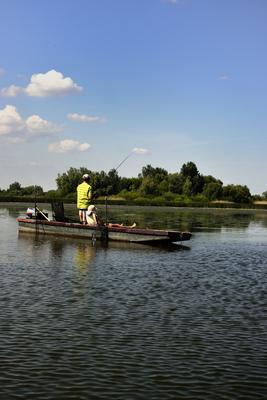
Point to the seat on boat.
(58, 211)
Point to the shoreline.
(146, 203)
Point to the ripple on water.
(134, 323)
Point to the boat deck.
(125, 234)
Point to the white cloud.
(141, 151)
(11, 91)
(67, 146)
(84, 146)
(38, 126)
(16, 129)
(84, 118)
(10, 121)
(43, 85)
(51, 83)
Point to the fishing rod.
(106, 197)
(36, 209)
(136, 150)
(123, 161)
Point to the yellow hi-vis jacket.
(84, 192)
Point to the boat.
(121, 233)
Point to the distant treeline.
(153, 185)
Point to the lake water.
(136, 322)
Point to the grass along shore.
(113, 200)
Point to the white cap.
(85, 176)
(91, 208)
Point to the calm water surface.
(136, 322)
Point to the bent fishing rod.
(106, 197)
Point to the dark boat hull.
(122, 234)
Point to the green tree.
(187, 187)
(149, 187)
(15, 188)
(211, 179)
(152, 182)
(189, 170)
(130, 184)
(99, 182)
(197, 184)
(53, 194)
(113, 181)
(163, 186)
(68, 181)
(176, 183)
(32, 190)
(237, 193)
(158, 174)
(213, 191)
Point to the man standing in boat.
(84, 194)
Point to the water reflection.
(84, 255)
(129, 321)
(58, 247)
(85, 250)
(186, 219)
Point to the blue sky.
(83, 83)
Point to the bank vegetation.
(153, 186)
